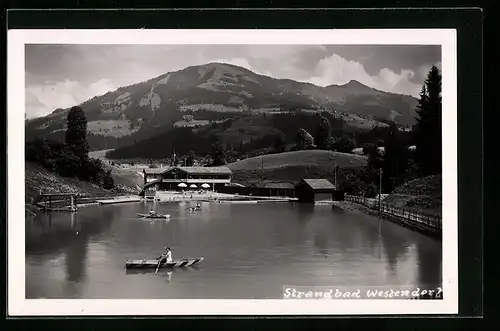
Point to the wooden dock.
(119, 200)
(46, 200)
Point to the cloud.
(337, 70)
(34, 108)
(43, 99)
(423, 70)
(64, 75)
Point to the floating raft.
(143, 264)
(118, 200)
(153, 216)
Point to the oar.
(158, 266)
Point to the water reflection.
(250, 250)
(76, 257)
(395, 242)
(165, 273)
(429, 265)
(321, 243)
(168, 275)
(157, 223)
(305, 212)
(69, 234)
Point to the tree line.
(387, 147)
(70, 159)
(397, 162)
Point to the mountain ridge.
(219, 90)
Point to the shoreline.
(89, 201)
(174, 196)
(168, 196)
(415, 226)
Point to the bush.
(370, 149)
(344, 144)
(67, 164)
(92, 170)
(358, 182)
(44, 152)
(108, 181)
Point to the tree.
(279, 143)
(92, 170)
(44, 152)
(218, 155)
(427, 131)
(305, 140)
(395, 162)
(108, 182)
(370, 149)
(323, 135)
(76, 133)
(190, 158)
(344, 144)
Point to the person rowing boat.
(196, 208)
(152, 212)
(165, 257)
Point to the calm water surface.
(250, 250)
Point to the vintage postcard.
(232, 172)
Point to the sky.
(60, 76)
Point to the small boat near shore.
(143, 264)
(154, 216)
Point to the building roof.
(191, 170)
(154, 171)
(280, 185)
(319, 184)
(151, 183)
(206, 170)
(236, 185)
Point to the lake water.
(251, 251)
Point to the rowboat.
(142, 264)
(153, 216)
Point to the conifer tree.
(323, 135)
(76, 133)
(427, 131)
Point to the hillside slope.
(422, 193)
(292, 166)
(38, 178)
(139, 111)
(122, 176)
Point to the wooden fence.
(259, 191)
(408, 215)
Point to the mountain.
(216, 91)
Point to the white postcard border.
(19, 306)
